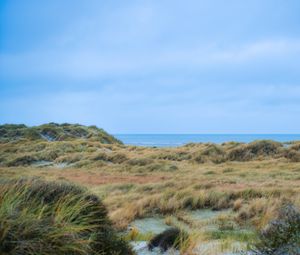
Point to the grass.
(241, 236)
(254, 179)
(135, 235)
(54, 132)
(54, 218)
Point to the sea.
(172, 140)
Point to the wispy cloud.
(92, 63)
(272, 49)
(152, 66)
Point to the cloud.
(118, 39)
(152, 66)
(97, 63)
(279, 48)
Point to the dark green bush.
(170, 238)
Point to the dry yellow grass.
(134, 191)
(135, 182)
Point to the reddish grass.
(92, 179)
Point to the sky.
(164, 66)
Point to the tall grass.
(54, 218)
(253, 179)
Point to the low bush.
(211, 153)
(292, 155)
(170, 238)
(213, 150)
(254, 150)
(282, 235)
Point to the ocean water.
(171, 140)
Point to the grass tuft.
(38, 217)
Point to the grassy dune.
(54, 132)
(254, 180)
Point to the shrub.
(254, 150)
(211, 152)
(293, 155)
(51, 218)
(169, 238)
(282, 235)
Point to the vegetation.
(54, 132)
(282, 235)
(39, 217)
(170, 238)
(253, 181)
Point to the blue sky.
(160, 66)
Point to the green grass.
(39, 217)
(55, 132)
(237, 235)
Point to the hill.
(54, 132)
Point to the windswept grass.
(253, 180)
(39, 217)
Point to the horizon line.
(205, 133)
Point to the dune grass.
(39, 217)
(54, 132)
(254, 180)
